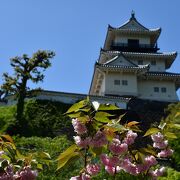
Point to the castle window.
(156, 89)
(124, 82)
(163, 90)
(153, 62)
(133, 42)
(140, 62)
(116, 82)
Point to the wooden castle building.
(130, 65)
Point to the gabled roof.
(131, 27)
(168, 57)
(114, 61)
(132, 23)
(106, 66)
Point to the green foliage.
(11, 157)
(53, 146)
(171, 175)
(46, 118)
(7, 117)
(42, 118)
(173, 120)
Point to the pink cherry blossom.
(27, 174)
(82, 142)
(165, 153)
(158, 172)
(117, 148)
(83, 176)
(93, 169)
(130, 137)
(160, 145)
(157, 137)
(110, 169)
(98, 140)
(109, 161)
(150, 161)
(79, 127)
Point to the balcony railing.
(134, 47)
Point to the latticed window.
(163, 90)
(124, 82)
(116, 82)
(156, 89)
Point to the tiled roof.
(149, 31)
(134, 20)
(121, 66)
(166, 74)
(141, 54)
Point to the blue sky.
(76, 30)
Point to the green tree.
(25, 68)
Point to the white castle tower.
(130, 65)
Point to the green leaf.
(148, 150)
(75, 115)
(77, 106)
(107, 107)
(39, 166)
(170, 135)
(116, 127)
(97, 151)
(102, 117)
(151, 131)
(44, 155)
(177, 114)
(176, 126)
(62, 161)
(68, 151)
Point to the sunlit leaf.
(170, 135)
(75, 107)
(176, 126)
(39, 166)
(177, 114)
(8, 138)
(65, 159)
(108, 107)
(44, 155)
(132, 123)
(68, 151)
(102, 117)
(151, 131)
(95, 105)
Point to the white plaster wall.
(124, 39)
(130, 89)
(160, 64)
(102, 90)
(146, 90)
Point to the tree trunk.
(20, 123)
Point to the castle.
(130, 65)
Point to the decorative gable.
(119, 60)
(133, 25)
